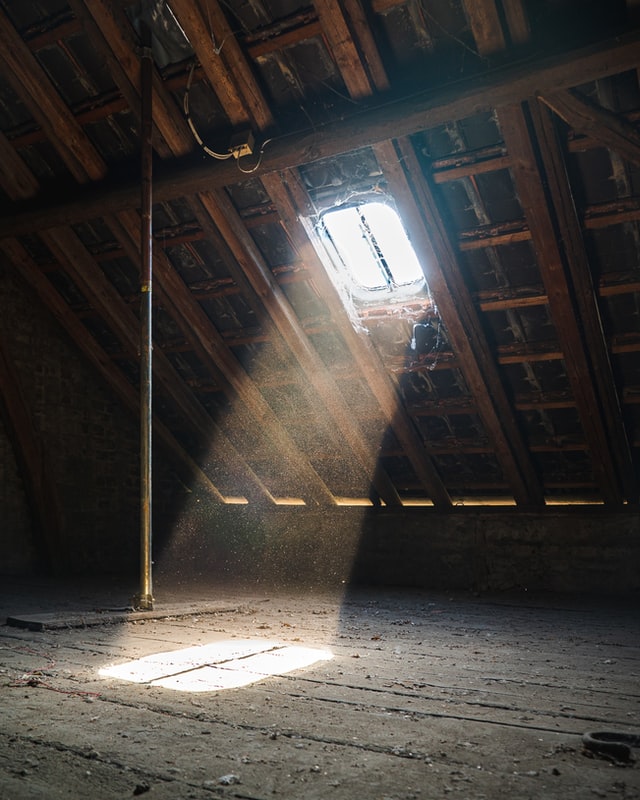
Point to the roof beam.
(15, 176)
(290, 198)
(230, 224)
(111, 33)
(361, 74)
(436, 253)
(112, 376)
(607, 128)
(530, 189)
(512, 83)
(484, 22)
(69, 250)
(586, 300)
(34, 87)
(198, 329)
(223, 61)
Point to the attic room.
(319, 398)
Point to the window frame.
(391, 291)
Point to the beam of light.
(227, 664)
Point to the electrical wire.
(185, 105)
(208, 150)
(256, 166)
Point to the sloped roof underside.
(504, 133)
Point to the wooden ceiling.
(503, 130)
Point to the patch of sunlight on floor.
(227, 664)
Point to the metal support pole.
(144, 600)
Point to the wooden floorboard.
(425, 696)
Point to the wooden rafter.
(428, 235)
(343, 48)
(401, 118)
(517, 21)
(289, 196)
(257, 271)
(223, 62)
(531, 193)
(87, 345)
(40, 96)
(599, 124)
(210, 345)
(354, 51)
(586, 301)
(485, 25)
(404, 117)
(367, 48)
(16, 178)
(68, 249)
(112, 34)
(530, 190)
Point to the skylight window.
(372, 246)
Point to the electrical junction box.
(242, 144)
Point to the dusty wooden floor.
(426, 696)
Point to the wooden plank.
(363, 38)
(208, 52)
(68, 249)
(625, 343)
(517, 21)
(430, 239)
(485, 25)
(472, 168)
(88, 346)
(16, 178)
(603, 126)
(529, 353)
(32, 84)
(529, 187)
(290, 198)
(517, 301)
(223, 61)
(531, 402)
(64, 27)
(586, 298)
(496, 240)
(612, 285)
(343, 49)
(444, 408)
(214, 351)
(231, 226)
(603, 215)
(111, 33)
(511, 83)
(285, 39)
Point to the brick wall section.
(90, 443)
(558, 551)
(18, 548)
